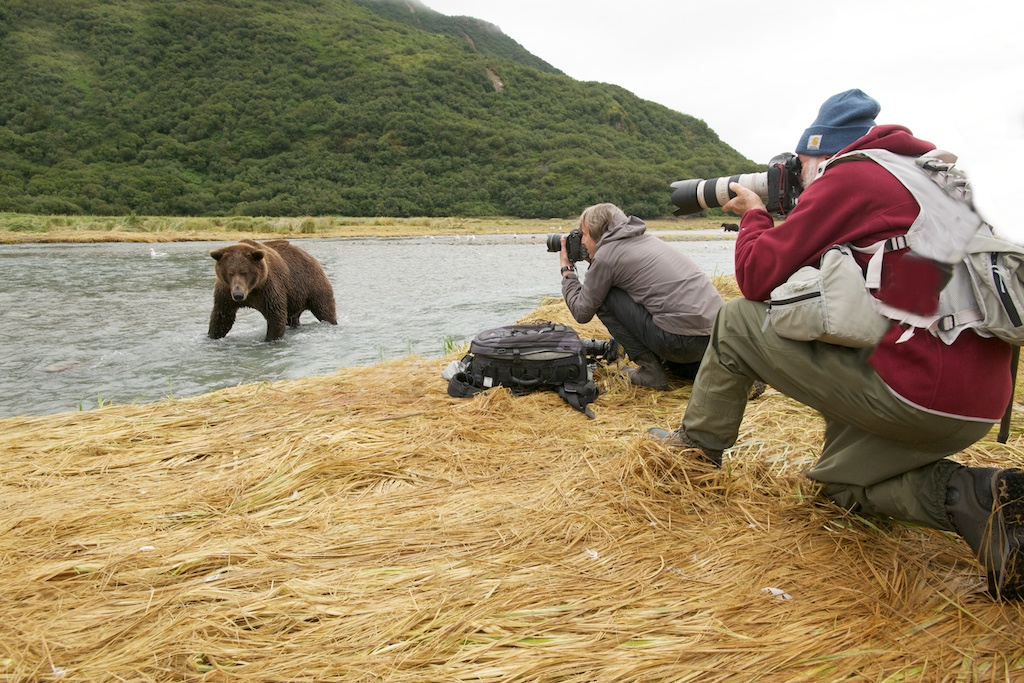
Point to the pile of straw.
(366, 526)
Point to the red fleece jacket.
(861, 203)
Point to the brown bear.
(277, 279)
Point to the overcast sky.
(756, 71)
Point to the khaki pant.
(880, 456)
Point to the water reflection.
(86, 323)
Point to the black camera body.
(779, 187)
(573, 245)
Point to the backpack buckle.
(946, 323)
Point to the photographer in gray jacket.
(653, 299)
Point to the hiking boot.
(678, 439)
(683, 371)
(651, 372)
(986, 506)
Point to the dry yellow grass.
(365, 526)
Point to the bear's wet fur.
(276, 278)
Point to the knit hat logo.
(842, 119)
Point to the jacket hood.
(631, 228)
(896, 139)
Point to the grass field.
(366, 526)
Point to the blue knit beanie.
(841, 120)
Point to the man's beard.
(809, 170)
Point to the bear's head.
(242, 267)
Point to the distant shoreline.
(28, 229)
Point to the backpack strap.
(460, 386)
(873, 280)
(1004, 424)
(945, 321)
(461, 383)
(946, 221)
(579, 395)
(951, 321)
(576, 395)
(873, 275)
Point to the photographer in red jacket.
(893, 414)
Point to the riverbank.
(25, 228)
(365, 525)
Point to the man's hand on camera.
(744, 201)
(563, 256)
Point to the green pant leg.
(743, 347)
(872, 437)
(865, 472)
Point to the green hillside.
(480, 35)
(313, 107)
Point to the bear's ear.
(257, 255)
(217, 254)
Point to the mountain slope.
(296, 107)
(481, 36)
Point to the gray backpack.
(531, 357)
(986, 289)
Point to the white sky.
(756, 71)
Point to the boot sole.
(1006, 570)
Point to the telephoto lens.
(779, 187)
(691, 196)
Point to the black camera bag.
(526, 358)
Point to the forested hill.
(481, 36)
(310, 107)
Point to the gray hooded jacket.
(679, 296)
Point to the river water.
(86, 324)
